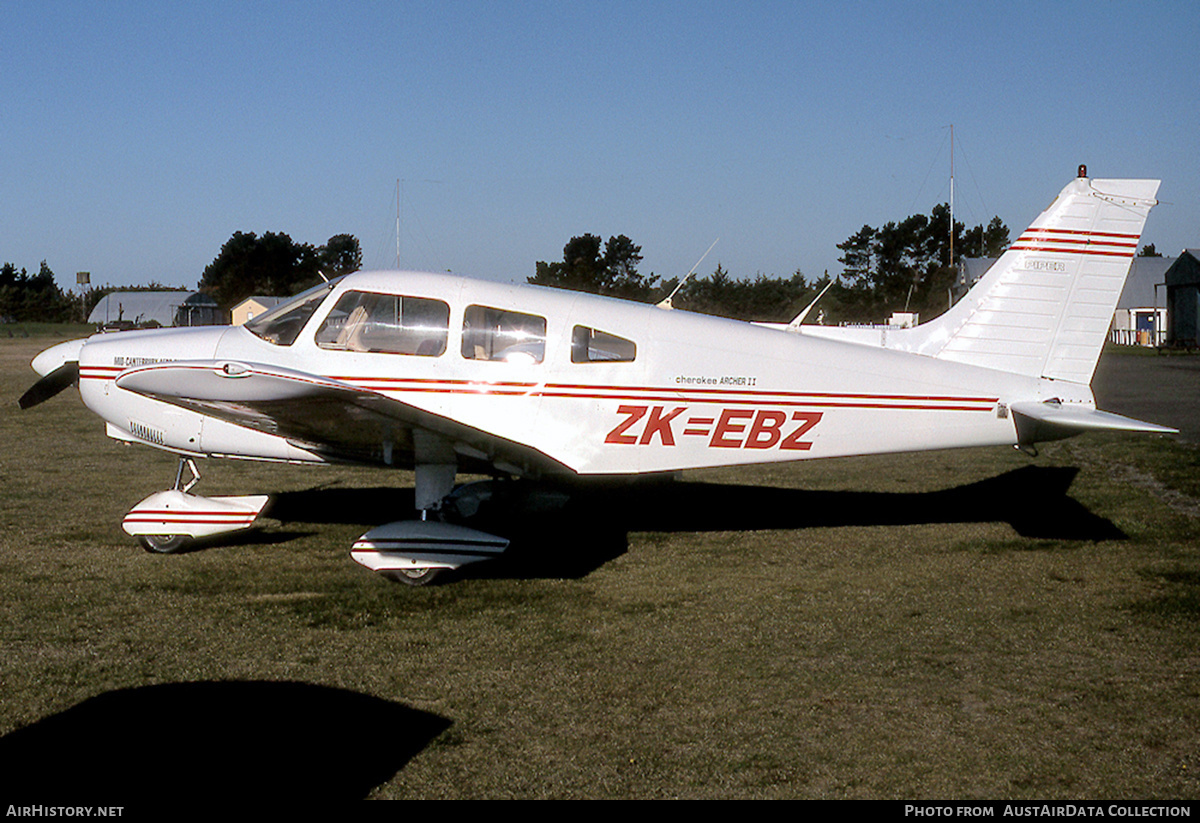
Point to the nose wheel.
(164, 543)
(413, 577)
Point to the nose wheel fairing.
(178, 513)
(167, 522)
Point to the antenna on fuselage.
(799, 318)
(666, 304)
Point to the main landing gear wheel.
(414, 577)
(164, 543)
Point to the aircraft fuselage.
(598, 386)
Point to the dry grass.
(951, 625)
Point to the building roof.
(265, 302)
(1144, 274)
(1186, 270)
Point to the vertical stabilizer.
(1044, 308)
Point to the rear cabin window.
(390, 323)
(590, 345)
(498, 334)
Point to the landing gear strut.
(172, 543)
(414, 552)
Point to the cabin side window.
(389, 323)
(590, 345)
(498, 334)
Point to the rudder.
(1044, 308)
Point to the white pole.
(951, 195)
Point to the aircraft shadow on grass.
(251, 740)
(592, 527)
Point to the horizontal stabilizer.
(1053, 420)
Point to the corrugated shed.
(167, 308)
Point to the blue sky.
(135, 138)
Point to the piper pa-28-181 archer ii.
(442, 374)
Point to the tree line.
(900, 266)
(907, 265)
(31, 298)
(274, 265)
(26, 298)
(904, 265)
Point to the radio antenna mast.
(951, 195)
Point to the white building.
(1141, 315)
(252, 307)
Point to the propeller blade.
(63, 377)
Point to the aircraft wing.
(323, 415)
(1052, 420)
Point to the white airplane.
(443, 374)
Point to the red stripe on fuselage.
(400, 386)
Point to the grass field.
(969, 624)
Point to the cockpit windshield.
(282, 324)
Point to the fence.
(1133, 337)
